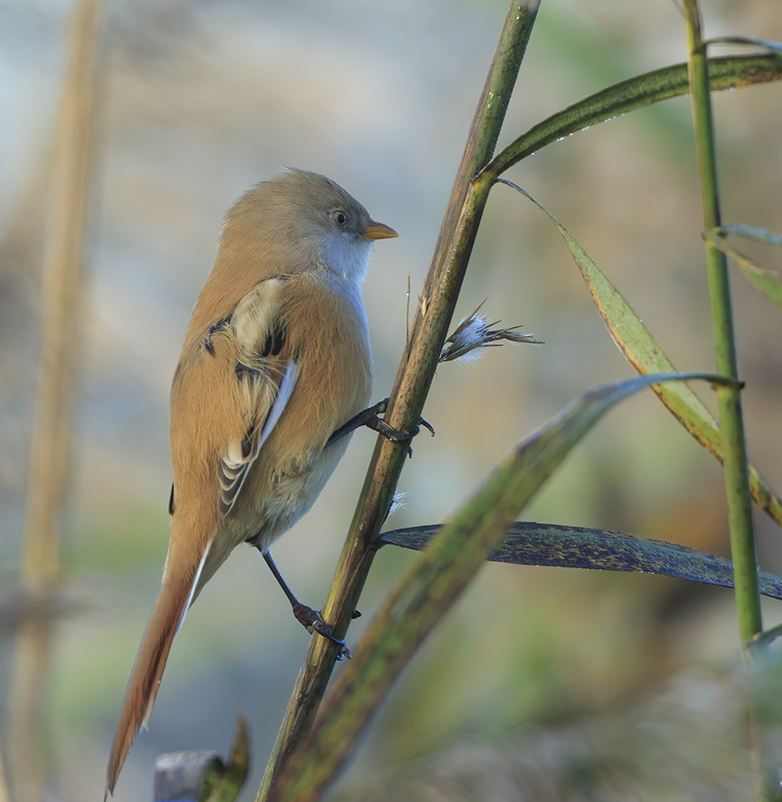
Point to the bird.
(276, 360)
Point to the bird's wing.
(240, 455)
(266, 371)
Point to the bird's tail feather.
(167, 615)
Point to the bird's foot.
(370, 418)
(313, 621)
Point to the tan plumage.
(276, 358)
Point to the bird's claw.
(393, 434)
(410, 435)
(370, 418)
(323, 629)
(313, 621)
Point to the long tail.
(175, 596)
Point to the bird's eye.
(340, 218)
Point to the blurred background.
(198, 101)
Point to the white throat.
(347, 257)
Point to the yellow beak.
(379, 231)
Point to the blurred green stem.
(416, 371)
(731, 420)
(736, 468)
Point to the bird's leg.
(310, 619)
(370, 418)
